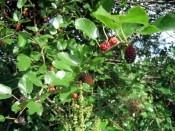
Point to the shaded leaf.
(165, 23)
(34, 107)
(107, 4)
(149, 29)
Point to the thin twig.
(149, 125)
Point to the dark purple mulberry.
(22, 98)
(82, 77)
(21, 120)
(130, 54)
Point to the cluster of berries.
(84, 78)
(107, 45)
(130, 52)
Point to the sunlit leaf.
(57, 21)
(5, 92)
(106, 18)
(2, 118)
(23, 62)
(88, 27)
(21, 3)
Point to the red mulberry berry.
(113, 41)
(2, 43)
(89, 80)
(52, 68)
(74, 96)
(5, 14)
(51, 88)
(130, 54)
(18, 27)
(105, 46)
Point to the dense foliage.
(85, 65)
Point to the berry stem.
(10, 118)
(120, 39)
(123, 35)
(105, 34)
(22, 111)
(97, 42)
(15, 97)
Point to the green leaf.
(35, 55)
(22, 39)
(68, 59)
(88, 27)
(9, 41)
(57, 21)
(41, 41)
(42, 68)
(166, 91)
(62, 65)
(165, 23)
(61, 45)
(134, 15)
(15, 107)
(103, 124)
(87, 88)
(49, 78)
(2, 118)
(32, 28)
(129, 29)
(34, 107)
(102, 15)
(21, 3)
(5, 92)
(150, 29)
(16, 16)
(44, 96)
(32, 77)
(53, 31)
(25, 85)
(23, 62)
(107, 4)
(61, 78)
